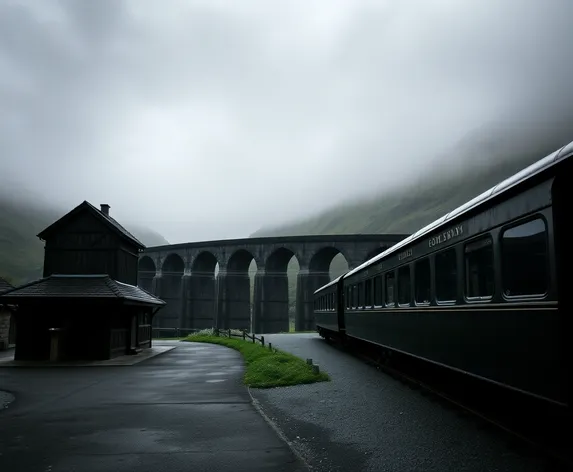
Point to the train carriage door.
(561, 195)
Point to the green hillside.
(22, 253)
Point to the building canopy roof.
(86, 206)
(80, 287)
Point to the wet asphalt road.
(185, 410)
(364, 420)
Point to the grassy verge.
(266, 368)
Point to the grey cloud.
(209, 119)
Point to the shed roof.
(83, 287)
(106, 219)
(5, 285)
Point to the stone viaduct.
(184, 276)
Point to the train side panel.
(506, 344)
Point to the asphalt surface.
(364, 420)
(184, 410)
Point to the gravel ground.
(5, 399)
(364, 420)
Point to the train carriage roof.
(498, 189)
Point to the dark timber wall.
(184, 276)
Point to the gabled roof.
(83, 287)
(5, 285)
(106, 219)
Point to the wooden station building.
(7, 324)
(87, 306)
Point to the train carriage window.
(479, 268)
(354, 296)
(404, 285)
(390, 289)
(348, 300)
(524, 259)
(422, 281)
(360, 294)
(368, 293)
(446, 276)
(377, 289)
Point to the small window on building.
(404, 286)
(479, 268)
(422, 281)
(446, 276)
(377, 289)
(390, 289)
(524, 259)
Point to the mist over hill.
(479, 161)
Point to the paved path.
(184, 410)
(364, 420)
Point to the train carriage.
(482, 290)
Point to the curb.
(257, 404)
(107, 363)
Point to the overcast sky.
(208, 119)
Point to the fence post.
(243, 335)
(263, 340)
(229, 332)
(270, 347)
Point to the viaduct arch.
(198, 296)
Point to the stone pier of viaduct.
(184, 276)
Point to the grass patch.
(266, 368)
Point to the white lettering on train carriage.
(446, 236)
(405, 254)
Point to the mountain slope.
(22, 253)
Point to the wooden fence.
(229, 333)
